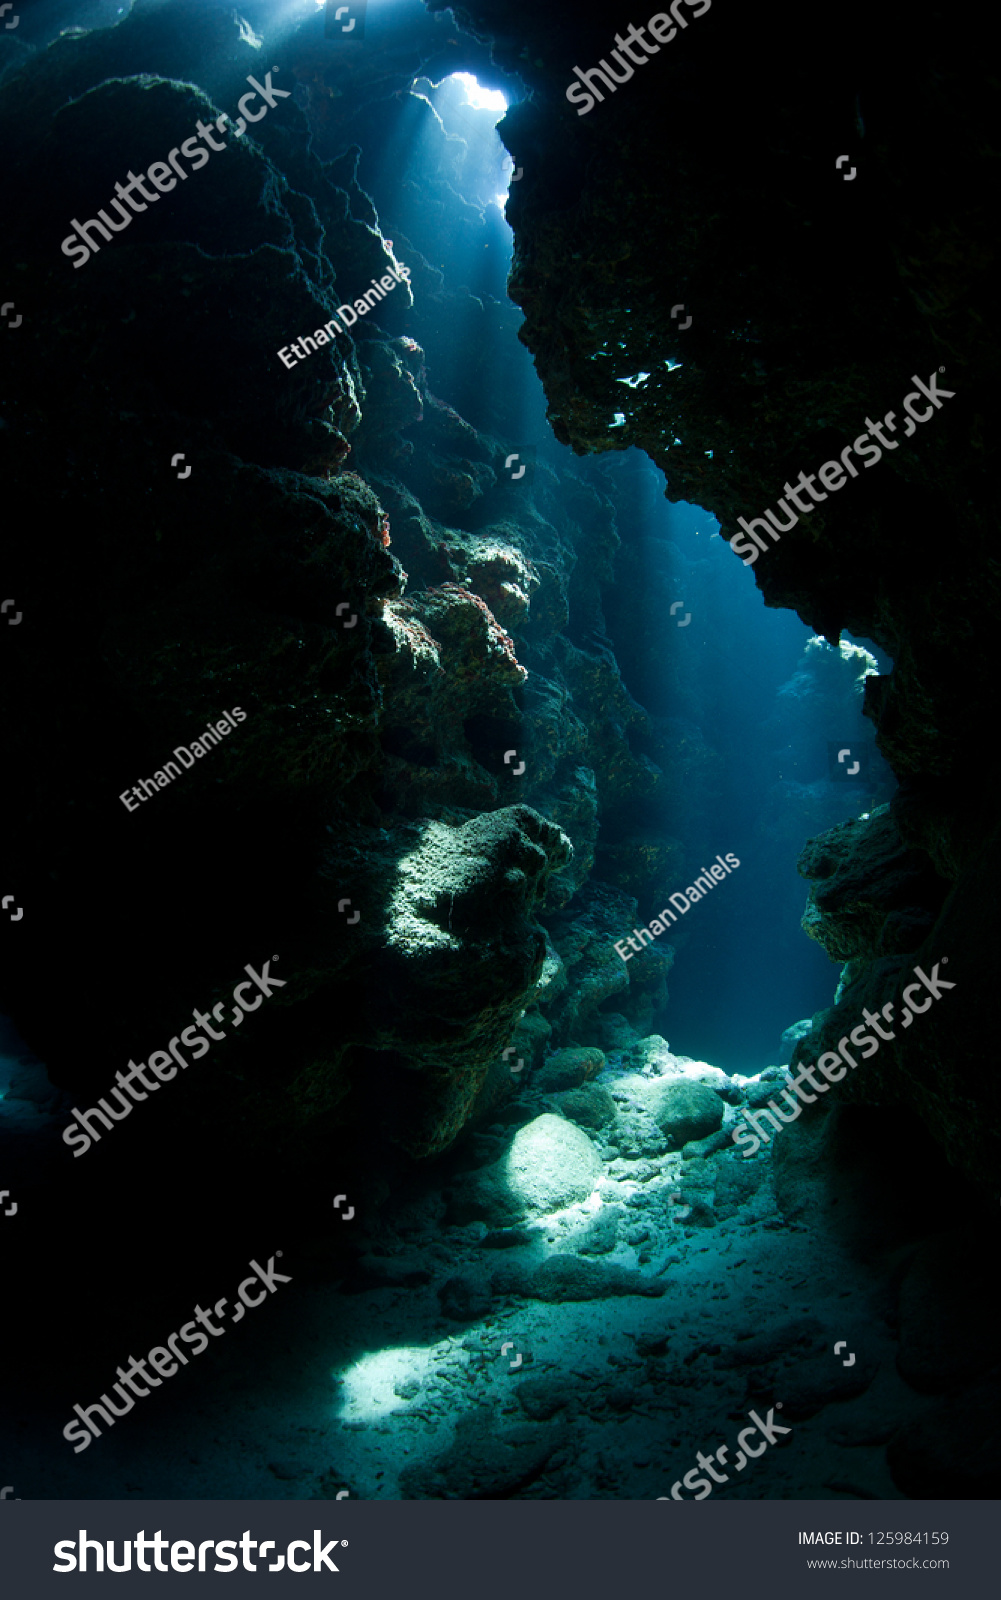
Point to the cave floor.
(685, 1317)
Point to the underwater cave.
(560, 928)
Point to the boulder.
(548, 1165)
(591, 1106)
(636, 1135)
(699, 1149)
(685, 1111)
(766, 1086)
(568, 1069)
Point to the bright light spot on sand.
(370, 1384)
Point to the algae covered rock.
(462, 956)
(685, 1111)
(568, 1069)
(590, 1106)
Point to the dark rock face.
(947, 1336)
(869, 890)
(770, 363)
(878, 904)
